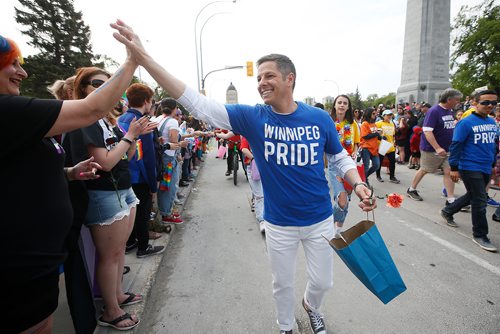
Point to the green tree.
(475, 59)
(370, 100)
(356, 101)
(61, 36)
(388, 100)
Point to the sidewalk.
(140, 279)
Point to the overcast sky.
(336, 45)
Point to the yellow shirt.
(388, 131)
(468, 112)
(348, 135)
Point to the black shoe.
(129, 248)
(286, 332)
(413, 194)
(316, 319)
(394, 180)
(228, 172)
(183, 184)
(495, 218)
(484, 243)
(449, 219)
(150, 250)
(380, 179)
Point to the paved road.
(215, 277)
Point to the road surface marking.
(477, 260)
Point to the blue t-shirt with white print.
(473, 146)
(288, 150)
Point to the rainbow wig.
(8, 52)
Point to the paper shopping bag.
(222, 151)
(363, 250)
(384, 147)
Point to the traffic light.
(249, 68)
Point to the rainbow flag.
(138, 153)
(167, 177)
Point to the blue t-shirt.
(473, 146)
(288, 150)
(443, 123)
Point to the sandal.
(130, 299)
(154, 235)
(113, 322)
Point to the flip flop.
(113, 322)
(130, 299)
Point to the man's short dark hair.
(484, 92)
(319, 105)
(285, 65)
(428, 105)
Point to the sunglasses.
(96, 83)
(487, 103)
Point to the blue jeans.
(476, 195)
(166, 197)
(339, 213)
(367, 156)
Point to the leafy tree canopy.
(475, 59)
(62, 38)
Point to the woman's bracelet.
(127, 140)
(358, 184)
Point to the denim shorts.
(108, 206)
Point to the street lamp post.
(201, 40)
(196, 36)
(218, 70)
(336, 84)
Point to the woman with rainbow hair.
(35, 182)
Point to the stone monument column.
(426, 56)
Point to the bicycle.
(236, 162)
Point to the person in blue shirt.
(472, 153)
(142, 170)
(288, 140)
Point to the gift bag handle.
(370, 198)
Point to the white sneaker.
(262, 227)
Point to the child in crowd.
(415, 148)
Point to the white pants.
(282, 244)
(258, 194)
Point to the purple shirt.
(442, 122)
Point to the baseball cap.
(387, 112)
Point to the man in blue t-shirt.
(289, 140)
(472, 153)
(434, 145)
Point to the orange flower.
(394, 200)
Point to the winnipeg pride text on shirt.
(484, 133)
(285, 151)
